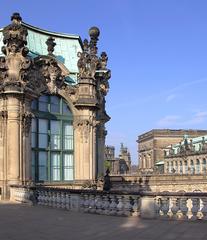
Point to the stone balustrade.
(177, 206)
(163, 205)
(21, 194)
(99, 202)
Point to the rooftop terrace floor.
(20, 222)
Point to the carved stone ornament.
(52, 73)
(84, 128)
(88, 60)
(26, 122)
(19, 71)
(15, 65)
(50, 45)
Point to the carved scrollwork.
(26, 122)
(3, 118)
(84, 128)
(3, 114)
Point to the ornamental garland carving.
(26, 122)
(85, 126)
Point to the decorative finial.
(94, 33)
(50, 45)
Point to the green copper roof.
(66, 49)
(197, 141)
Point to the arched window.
(181, 167)
(204, 165)
(167, 168)
(197, 169)
(171, 167)
(176, 167)
(52, 140)
(192, 170)
(186, 166)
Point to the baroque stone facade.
(189, 156)
(39, 72)
(151, 145)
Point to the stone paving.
(20, 222)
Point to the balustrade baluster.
(195, 207)
(98, 204)
(127, 206)
(174, 208)
(204, 208)
(62, 197)
(165, 206)
(92, 203)
(105, 205)
(183, 207)
(86, 203)
(112, 205)
(120, 206)
(67, 201)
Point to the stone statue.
(107, 181)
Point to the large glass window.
(52, 140)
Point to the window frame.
(50, 116)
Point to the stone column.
(26, 141)
(85, 148)
(3, 155)
(13, 138)
(101, 134)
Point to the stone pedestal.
(147, 207)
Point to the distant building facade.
(189, 156)
(151, 146)
(121, 164)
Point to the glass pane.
(42, 166)
(34, 125)
(55, 108)
(55, 134)
(68, 136)
(43, 126)
(67, 128)
(33, 140)
(54, 99)
(68, 166)
(43, 98)
(55, 104)
(33, 165)
(55, 141)
(34, 104)
(43, 140)
(66, 109)
(55, 165)
(43, 107)
(55, 127)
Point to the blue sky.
(157, 54)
